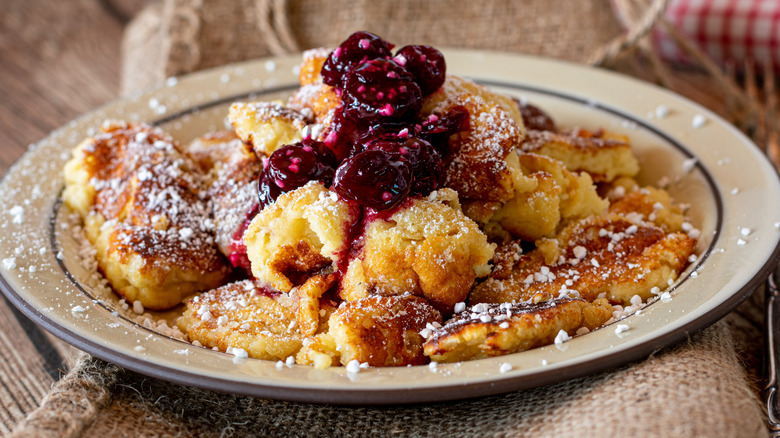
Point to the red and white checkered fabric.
(725, 29)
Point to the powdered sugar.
(94, 281)
(561, 337)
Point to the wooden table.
(57, 61)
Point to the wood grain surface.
(58, 59)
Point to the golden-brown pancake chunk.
(232, 169)
(476, 165)
(313, 59)
(489, 330)
(610, 255)
(142, 201)
(604, 157)
(550, 197)
(428, 248)
(647, 203)
(266, 126)
(319, 351)
(302, 232)
(247, 316)
(382, 331)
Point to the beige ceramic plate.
(733, 190)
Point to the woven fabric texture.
(180, 36)
(697, 388)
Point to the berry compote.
(377, 151)
(291, 167)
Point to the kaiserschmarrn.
(387, 214)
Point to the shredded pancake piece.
(248, 316)
(609, 255)
(476, 165)
(266, 126)
(142, 201)
(302, 232)
(603, 158)
(427, 248)
(379, 331)
(489, 330)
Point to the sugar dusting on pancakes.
(144, 167)
(479, 159)
(186, 233)
(100, 287)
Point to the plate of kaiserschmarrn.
(381, 224)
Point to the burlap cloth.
(706, 386)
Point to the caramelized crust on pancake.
(610, 254)
(303, 231)
(141, 200)
(381, 331)
(476, 166)
(506, 256)
(156, 267)
(426, 248)
(232, 169)
(266, 126)
(489, 330)
(603, 158)
(245, 315)
(101, 166)
(338, 282)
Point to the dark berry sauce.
(291, 167)
(426, 64)
(353, 243)
(377, 151)
(374, 178)
(238, 256)
(359, 47)
(437, 130)
(380, 90)
(426, 162)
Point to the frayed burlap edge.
(73, 402)
(696, 388)
(181, 36)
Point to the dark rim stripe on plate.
(410, 394)
(557, 94)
